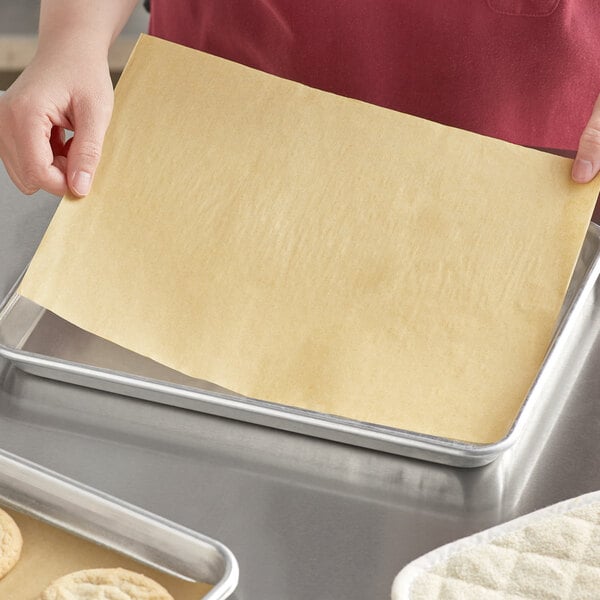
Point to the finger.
(60, 162)
(56, 182)
(35, 157)
(90, 121)
(587, 161)
(57, 189)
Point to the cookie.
(11, 543)
(105, 584)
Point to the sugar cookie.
(11, 543)
(105, 584)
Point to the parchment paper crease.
(316, 251)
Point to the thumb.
(587, 161)
(90, 122)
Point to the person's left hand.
(587, 161)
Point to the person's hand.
(587, 161)
(57, 91)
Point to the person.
(521, 70)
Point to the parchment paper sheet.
(49, 553)
(316, 251)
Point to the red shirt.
(527, 71)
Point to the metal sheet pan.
(109, 522)
(41, 343)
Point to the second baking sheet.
(49, 553)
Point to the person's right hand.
(57, 91)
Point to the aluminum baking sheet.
(39, 342)
(111, 523)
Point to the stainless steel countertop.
(306, 518)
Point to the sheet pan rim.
(370, 435)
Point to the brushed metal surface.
(305, 517)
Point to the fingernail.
(82, 181)
(582, 170)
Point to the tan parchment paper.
(316, 251)
(49, 553)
